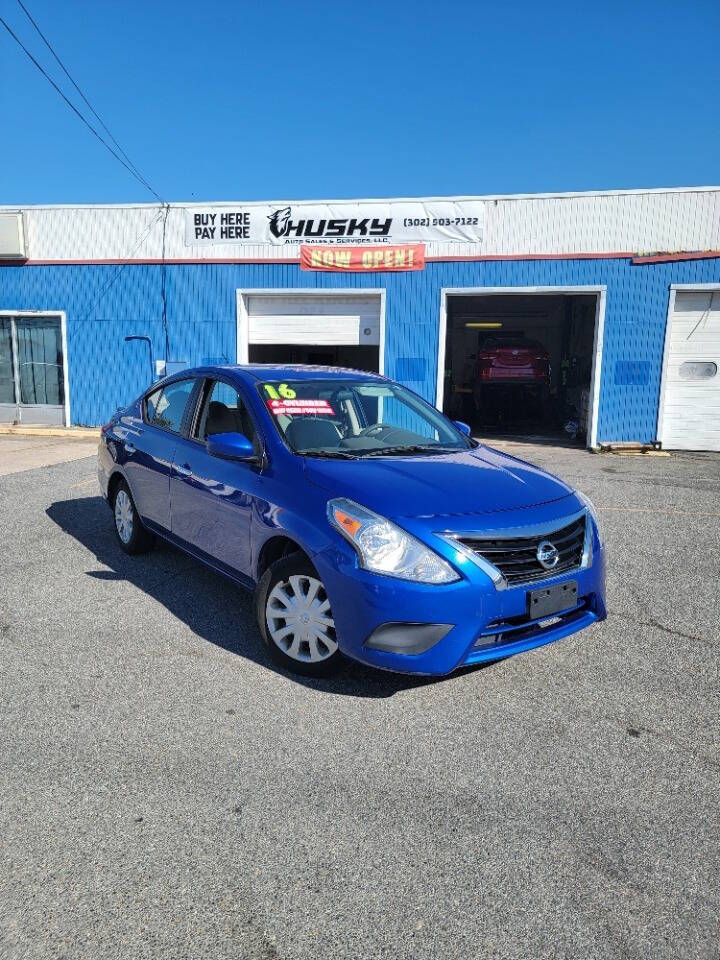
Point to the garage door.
(313, 319)
(690, 416)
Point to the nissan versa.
(368, 524)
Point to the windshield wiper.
(335, 454)
(411, 449)
(359, 452)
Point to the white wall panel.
(625, 222)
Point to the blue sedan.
(368, 524)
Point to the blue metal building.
(74, 283)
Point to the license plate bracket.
(548, 600)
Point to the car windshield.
(358, 418)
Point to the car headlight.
(383, 547)
(592, 510)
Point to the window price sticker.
(300, 406)
(282, 399)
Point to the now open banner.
(363, 259)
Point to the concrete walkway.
(30, 430)
(20, 452)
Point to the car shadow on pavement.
(212, 606)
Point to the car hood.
(478, 481)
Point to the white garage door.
(690, 415)
(313, 319)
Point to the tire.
(131, 534)
(307, 647)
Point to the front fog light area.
(407, 638)
(383, 547)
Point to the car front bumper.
(483, 623)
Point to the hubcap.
(300, 621)
(123, 516)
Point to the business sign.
(352, 221)
(331, 259)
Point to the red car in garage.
(512, 358)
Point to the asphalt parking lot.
(167, 793)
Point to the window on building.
(698, 370)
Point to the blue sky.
(273, 100)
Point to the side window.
(225, 412)
(151, 403)
(166, 407)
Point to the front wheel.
(295, 619)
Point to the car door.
(211, 499)
(150, 447)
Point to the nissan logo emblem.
(547, 554)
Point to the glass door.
(32, 374)
(8, 393)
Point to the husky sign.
(343, 222)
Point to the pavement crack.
(658, 626)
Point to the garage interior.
(496, 330)
(318, 328)
(333, 355)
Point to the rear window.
(165, 408)
(512, 341)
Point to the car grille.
(516, 557)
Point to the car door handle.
(129, 447)
(184, 469)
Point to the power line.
(128, 257)
(75, 110)
(72, 81)
(126, 162)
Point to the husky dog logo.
(282, 227)
(280, 222)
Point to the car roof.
(286, 371)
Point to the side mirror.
(463, 427)
(231, 446)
